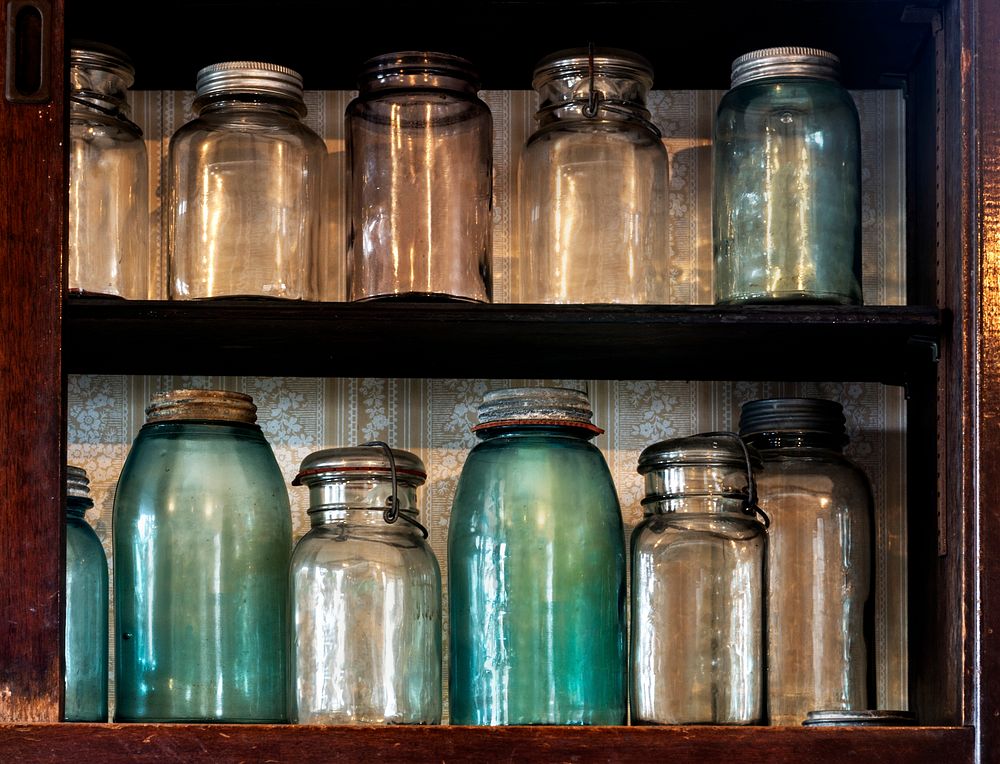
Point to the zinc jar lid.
(536, 406)
(864, 718)
(789, 61)
(787, 415)
(211, 405)
(608, 62)
(249, 78)
(360, 463)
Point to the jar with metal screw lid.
(697, 593)
(365, 594)
(420, 180)
(536, 568)
(819, 556)
(787, 191)
(202, 541)
(593, 184)
(245, 188)
(108, 243)
(86, 621)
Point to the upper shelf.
(691, 43)
(463, 340)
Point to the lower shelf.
(224, 743)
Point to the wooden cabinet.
(943, 347)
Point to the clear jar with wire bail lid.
(365, 592)
(245, 188)
(698, 575)
(592, 186)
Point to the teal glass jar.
(202, 541)
(86, 625)
(365, 593)
(536, 569)
(786, 213)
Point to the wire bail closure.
(590, 108)
(750, 503)
(391, 513)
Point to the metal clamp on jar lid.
(543, 406)
(210, 405)
(372, 476)
(785, 62)
(712, 464)
(100, 76)
(254, 78)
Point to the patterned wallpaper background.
(432, 417)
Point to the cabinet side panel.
(32, 211)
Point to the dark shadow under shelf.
(885, 344)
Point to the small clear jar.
(365, 594)
(245, 188)
(786, 218)
(697, 593)
(202, 537)
(108, 242)
(420, 181)
(536, 569)
(86, 626)
(819, 556)
(593, 185)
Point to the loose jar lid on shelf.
(212, 405)
(793, 415)
(866, 718)
(785, 62)
(536, 405)
(249, 78)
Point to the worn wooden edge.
(224, 743)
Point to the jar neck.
(247, 102)
(360, 516)
(77, 506)
(418, 70)
(518, 429)
(765, 441)
(701, 504)
(608, 99)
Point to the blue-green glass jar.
(86, 625)
(202, 542)
(786, 217)
(536, 569)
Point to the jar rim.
(427, 66)
(209, 405)
(616, 62)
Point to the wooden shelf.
(428, 340)
(223, 743)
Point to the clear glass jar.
(819, 556)
(245, 188)
(108, 241)
(86, 626)
(697, 643)
(202, 540)
(593, 185)
(365, 594)
(787, 193)
(536, 569)
(420, 180)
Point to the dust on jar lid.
(210, 405)
(787, 61)
(538, 406)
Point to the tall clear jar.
(536, 569)
(786, 219)
(108, 243)
(819, 556)
(202, 540)
(593, 184)
(420, 180)
(365, 594)
(85, 629)
(697, 642)
(245, 188)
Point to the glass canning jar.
(86, 626)
(593, 185)
(365, 594)
(245, 188)
(819, 556)
(108, 242)
(786, 219)
(536, 569)
(697, 593)
(202, 541)
(420, 180)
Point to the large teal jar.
(86, 624)
(202, 542)
(536, 569)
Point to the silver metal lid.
(865, 718)
(789, 415)
(210, 405)
(77, 482)
(558, 405)
(766, 63)
(249, 78)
